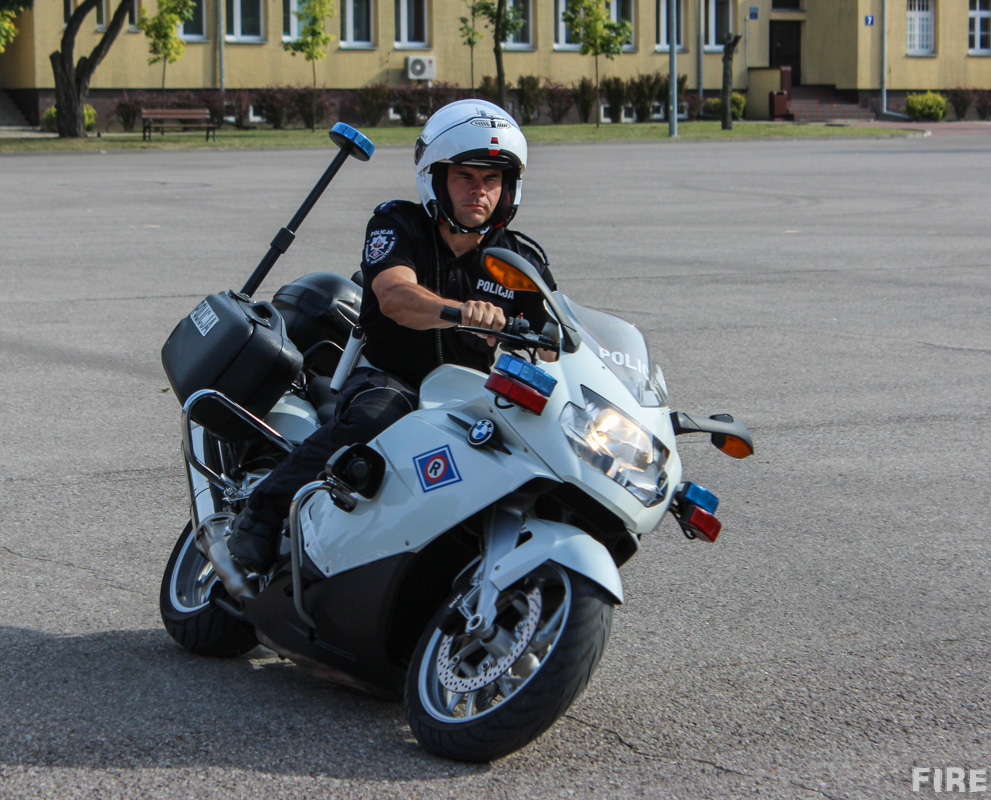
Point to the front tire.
(189, 616)
(474, 700)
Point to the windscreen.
(622, 348)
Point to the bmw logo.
(482, 431)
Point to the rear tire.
(187, 611)
(464, 703)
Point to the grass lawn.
(384, 137)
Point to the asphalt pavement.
(832, 294)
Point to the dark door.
(786, 48)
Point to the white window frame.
(981, 12)
(101, 15)
(561, 29)
(292, 6)
(920, 27)
(402, 19)
(235, 18)
(663, 43)
(134, 16)
(195, 36)
(710, 24)
(612, 6)
(527, 30)
(347, 25)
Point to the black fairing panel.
(369, 619)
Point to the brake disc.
(449, 666)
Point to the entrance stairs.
(10, 117)
(826, 104)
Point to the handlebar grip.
(451, 314)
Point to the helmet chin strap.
(453, 226)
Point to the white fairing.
(435, 479)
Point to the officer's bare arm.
(407, 303)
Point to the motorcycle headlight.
(620, 448)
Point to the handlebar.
(515, 333)
(515, 326)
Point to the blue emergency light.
(526, 373)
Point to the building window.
(244, 19)
(523, 38)
(290, 22)
(411, 23)
(66, 11)
(133, 15)
(980, 26)
(195, 26)
(356, 22)
(564, 37)
(921, 27)
(664, 25)
(622, 11)
(786, 5)
(101, 15)
(718, 22)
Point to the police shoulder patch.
(379, 244)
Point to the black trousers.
(370, 402)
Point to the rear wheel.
(189, 616)
(477, 696)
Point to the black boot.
(254, 539)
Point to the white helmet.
(475, 133)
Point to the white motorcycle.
(468, 557)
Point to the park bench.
(176, 119)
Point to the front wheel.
(482, 695)
(189, 616)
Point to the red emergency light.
(516, 393)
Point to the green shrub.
(559, 100)
(240, 101)
(645, 90)
(714, 106)
(694, 105)
(665, 89)
(982, 102)
(410, 103)
(49, 119)
(488, 89)
(373, 102)
(928, 107)
(585, 97)
(961, 100)
(276, 104)
(616, 93)
(128, 111)
(440, 93)
(530, 94)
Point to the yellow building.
(926, 44)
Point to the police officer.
(418, 258)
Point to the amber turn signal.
(508, 276)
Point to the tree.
(505, 22)
(72, 78)
(729, 48)
(8, 10)
(313, 38)
(162, 32)
(470, 34)
(599, 35)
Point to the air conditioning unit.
(420, 68)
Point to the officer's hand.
(479, 314)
